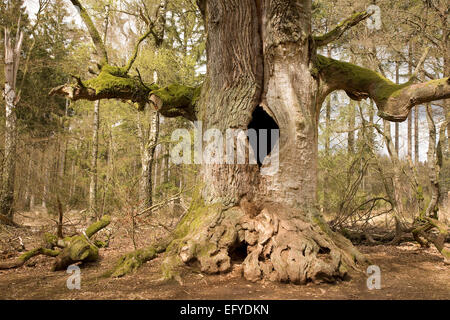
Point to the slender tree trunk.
(93, 172)
(327, 141)
(351, 127)
(12, 58)
(397, 137)
(410, 71)
(396, 181)
(327, 151)
(416, 135)
(434, 162)
(109, 169)
(148, 142)
(28, 182)
(45, 177)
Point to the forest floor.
(407, 272)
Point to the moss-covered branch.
(111, 83)
(130, 63)
(130, 262)
(78, 248)
(93, 32)
(176, 101)
(341, 28)
(437, 239)
(394, 101)
(114, 83)
(97, 226)
(20, 261)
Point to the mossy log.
(78, 248)
(20, 261)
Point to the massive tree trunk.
(273, 216)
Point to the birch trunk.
(12, 59)
(93, 172)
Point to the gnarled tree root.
(130, 262)
(282, 244)
(75, 249)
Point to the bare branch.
(93, 32)
(419, 65)
(136, 49)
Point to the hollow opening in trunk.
(264, 143)
(238, 252)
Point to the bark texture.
(271, 217)
(12, 59)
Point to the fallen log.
(20, 261)
(79, 248)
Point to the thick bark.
(273, 216)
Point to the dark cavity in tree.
(264, 143)
(238, 252)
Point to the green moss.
(176, 95)
(109, 83)
(50, 239)
(361, 79)
(339, 28)
(130, 262)
(96, 38)
(170, 267)
(30, 254)
(96, 226)
(81, 250)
